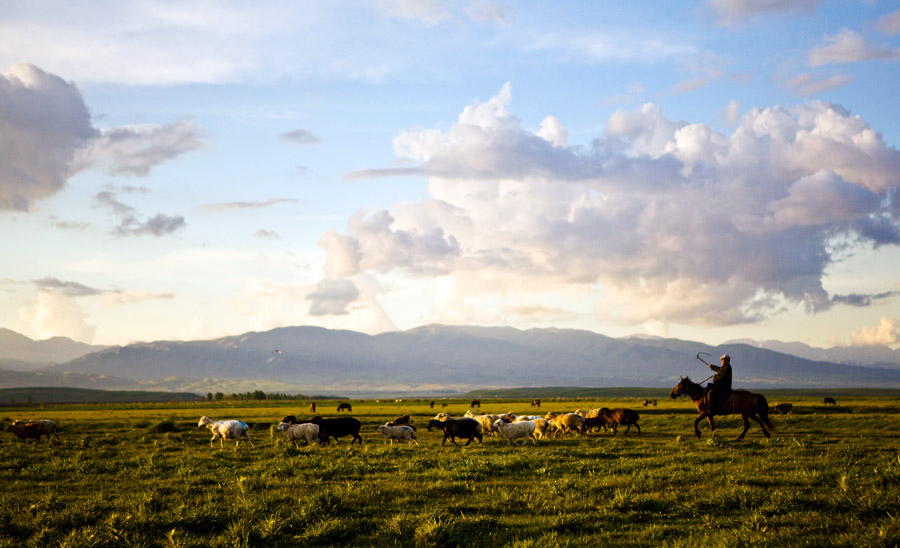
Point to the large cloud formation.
(43, 124)
(46, 136)
(671, 221)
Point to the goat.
(227, 429)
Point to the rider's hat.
(725, 357)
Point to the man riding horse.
(719, 390)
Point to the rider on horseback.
(719, 390)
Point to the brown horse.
(749, 405)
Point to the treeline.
(258, 395)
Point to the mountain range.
(432, 359)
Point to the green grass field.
(827, 477)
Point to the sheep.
(621, 416)
(516, 430)
(593, 422)
(228, 429)
(33, 430)
(338, 428)
(567, 423)
(458, 428)
(521, 418)
(294, 432)
(401, 432)
(486, 422)
(403, 420)
(441, 416)
(542, 427)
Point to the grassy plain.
(828, 477)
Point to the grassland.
(145, 475)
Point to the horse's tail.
(762, 407)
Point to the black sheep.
(457, 428)
(338, 428)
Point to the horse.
(344, 407)
(749, 405)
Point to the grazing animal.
(337, 428)
(621, 417)
(830, 401)
(535, 403)
(312, 407)
(344, 407)
(304, 431)
(402, 432)
(749, 405)
(785, 409)
(457, 428)
(227, 429)
(476, 403)
(33, 430)
(443, 405)
(515, 430)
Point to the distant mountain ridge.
(19, 353)
(438, 358)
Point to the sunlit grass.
(129, 475)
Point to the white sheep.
(305, 431)
(515, 430)
(521, 418)
(401, 432)
(231, 429)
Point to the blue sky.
(703, 170)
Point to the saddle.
(720, 407)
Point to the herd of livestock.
(471, 426)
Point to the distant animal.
(649, 402)
(476, 403)
(621, 417)
(785, 409)
(443, 405)
(830, 401)
(432, 404)
(749, 405)
(312, 407)
(457, 428)
(344, 407)
(33, 429)
(337, 428)
(227, 429)
(401, 432)
(535, 403)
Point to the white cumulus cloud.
(658, 221)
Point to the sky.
(709, 170)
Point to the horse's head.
(680, 388)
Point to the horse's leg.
(746, 425)
(696, 422)
(761, 425)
